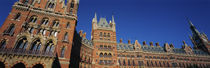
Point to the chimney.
(157, 44)
(121, 40)
(151, 44)
(129, 41)
(171, 45)
(144, 43)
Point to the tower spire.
(113, 19)
(95, 18)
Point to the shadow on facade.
(75, 51)
(56, 63)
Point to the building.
(42, 34)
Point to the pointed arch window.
(33, 19)
(10, 29)
(17, 16)
(101, 54)
(62, 52)
(119, 62)
(109, 55)
(3, 44)
(36, 45)
(49, 47)
(55, 23)
(105, 55)
(68, 25)
(51, 5)
(66, 37)
(22, 44)
(72, 4)
(45, 21)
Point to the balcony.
(23, 52)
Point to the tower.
(104, 41)
(199, 40)
(42, 30)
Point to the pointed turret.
(95, 18)
(113, 19)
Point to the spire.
(192, 27)
(113, 19)
(95, 18)
(190, 22)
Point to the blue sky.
(144, 20)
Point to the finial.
(113, 19)
(189, 21)
(184, 42)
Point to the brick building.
(42, 34)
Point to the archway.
(19, 65)
(2, 65)
(38, 66)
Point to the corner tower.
(104, 40)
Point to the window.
(72, 4)
(101, 55)
(104, 34)
(10, 29)
(66, 36)
(119, 62)
(55, 23)
(22, 43)
(45, 21)
(33, 19)
(68, 25)
(105, 55)
(134, 63)
(36, 45)
(51, 5)
(110, 55)
(3, 44)
(108, 35)
(62, 52)
(17, 16)
(124, 63)
(100, 34)
(49, 47)
(25, 1)
(31, 30)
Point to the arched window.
(55, 23)
(49, 47)
(51, 5)
(17, 16)
(100, 34)
(105, 55)
(101, 54)
(108, 35)
(68, 25)
(62, 52)
(45, 21)
(19, 65)
(66, 37)
(33, 19)
(22, 43)
(10, 29)
(124, 63)
(110, 55)
(72, 4)
(119, 62)
(134, 63)
(3, 44)
(31, 30)
(36, 45)
(129, 64)
(104, 34)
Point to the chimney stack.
(144, 43)
(129, 41)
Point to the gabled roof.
(103, 23)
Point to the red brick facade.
(42, 34)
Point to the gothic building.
(42, 34)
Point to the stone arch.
(33, 19)
(2, 65)
(19, 65)
(101, 55)
(55, 23)
(38, 65)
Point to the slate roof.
(103, 23)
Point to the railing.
(105, 49)
(26, 52)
